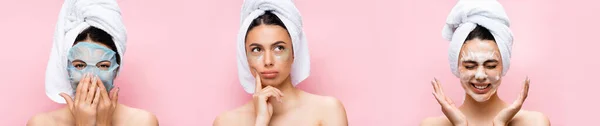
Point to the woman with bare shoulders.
(479, 54)
(272, 59)
(89, 43)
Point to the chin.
(271, 82)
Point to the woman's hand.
(86, 101)
(107, 105)
(453, 114)
(505, 115)
(262, 106)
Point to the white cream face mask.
(480, 71)
(87, 57)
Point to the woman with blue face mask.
(86, 56)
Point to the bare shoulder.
(41, 119)
(52, 118)
(436, 121)
(326, 102)
(240, 116)
(138, 117)
(530, 118)
(332, 109)
(57, 117)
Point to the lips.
(480, 88)
(269, 74)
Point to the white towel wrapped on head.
(290, 16)
(74, 17)
(465, 16)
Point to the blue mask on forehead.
(94, 59)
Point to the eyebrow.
(255, 44)
(470, 61)
(490, 61)
(276, 43)
(77, 60)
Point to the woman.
(480, 50)
(89, 43)
(272, 59)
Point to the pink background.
(377, 57)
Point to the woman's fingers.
(115, 96)
(438, 99)
(79, 90)
(258, 86)
(103, 91)
(96, 98)
(524, 92)
(434, 86)
(269, 91)
(69, 100)
(439, 95)
(436, 92)
(278, 91)
(279, 94)
(439, 86)
(84, 83)
(449, 101)
(92, 90)
(271, 94)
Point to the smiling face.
(269, 51)
(480, 68)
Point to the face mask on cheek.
(91, 55)
(479, 82)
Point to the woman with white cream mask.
(89, 43)
(272, 60)
(480, 49)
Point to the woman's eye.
(255, 49)
(279, 48)
(79, 65)
(491, 67)
(470, 67)
(104, 66)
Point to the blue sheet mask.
(94, 58)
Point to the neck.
(290, 97)
(482, 110)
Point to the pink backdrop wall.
(376, 57)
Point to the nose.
(480, 75)
(268, 59)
